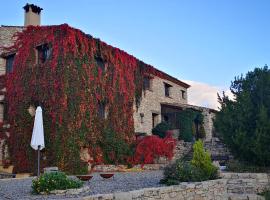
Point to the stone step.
(245, 197)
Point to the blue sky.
(209, 41)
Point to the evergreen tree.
(243, 123)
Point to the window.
(183, 93)
(167, 88)
(5, 113)
(100, 63)
(154, 119)
(101, 110)
(1, 111)
(142, 117)
(44, 53)
(147, 83)
(9, 63)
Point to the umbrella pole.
(38, 172)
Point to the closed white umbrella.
(37, 141)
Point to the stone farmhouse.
(164, 95)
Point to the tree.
(244, 123)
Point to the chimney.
(32, 15)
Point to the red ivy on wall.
(70, 86)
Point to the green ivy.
(188, 119)
(115, 149)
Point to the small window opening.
(44, 53)
(183, 93)
(9, 63)
(101, 110)
(167, 88)
(147, 83)
(100, 63)
(142, 117)
(154, 119)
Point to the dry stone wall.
(244, 186)
(246, 183)
(215, 189)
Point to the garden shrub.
(202, 159)
(151, 147)
(199, 169)
(161, 129)
(54, 181)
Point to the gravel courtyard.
(122, 181)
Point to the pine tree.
(243, 123)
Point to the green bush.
(54, 181)
(202, 159)
(265, 194)
(199, 169)
(161, 129)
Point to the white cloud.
(202, 94)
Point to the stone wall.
(215, 189)
(246, 183)
(244, 186)
(151, 103)
(6, 40)
(181, 149)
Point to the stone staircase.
(218, 150)
(244, 186)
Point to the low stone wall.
(246, 183)
(119, 168)
(214, 189)
(232, 186)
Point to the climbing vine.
(191, 125)
(70, 86)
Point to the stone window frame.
(6, 57)
(168, 90)
(148, 86)
(183, 94)
(155, 118)
(142, 118)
